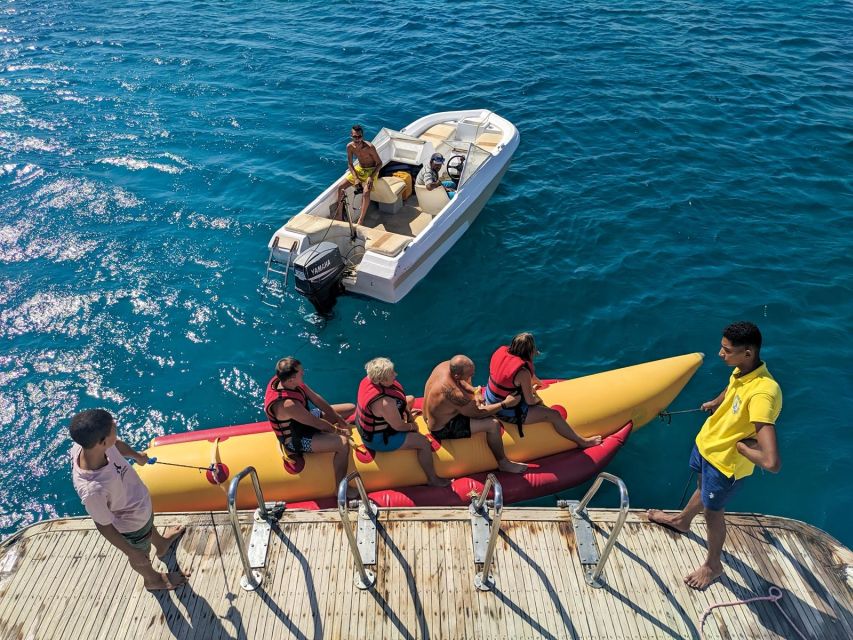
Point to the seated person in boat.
(511, 372)
(301, 428)
(115, 497)
(452, 410)
(384, 419)
(428, 176)
(739, 434)
(363, 173)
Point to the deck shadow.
(410, 584)
(309, 585)
(549, 587)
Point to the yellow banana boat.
(609, 404)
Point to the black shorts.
(458, 427)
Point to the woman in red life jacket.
(511, 371)
(383, 416)
(301, 428)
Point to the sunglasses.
(357, 137)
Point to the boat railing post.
(367, 530)
(584, 536)
(261, 529)
(480, 526)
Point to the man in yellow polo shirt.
(739, 434)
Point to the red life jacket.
(502, 371)
(368, 391)
(282, 428)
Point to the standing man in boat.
(384, 418)
(116, 499)
(452, 410)
(299, 427)
(511, 372)
(739, 434)
(362, 174)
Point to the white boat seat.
(438, 133)
(431, 202)
(489, 140)
(387, 192)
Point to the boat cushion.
(387, 190)
(386, 243)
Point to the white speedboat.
(406, 228)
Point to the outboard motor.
(318, 272)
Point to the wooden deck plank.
(425, 582)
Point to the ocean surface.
(682, 165)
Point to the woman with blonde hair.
(383, 416)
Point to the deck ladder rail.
(584, 535)
(254, 559)
(273, 262)
(364, 548)
(485, 531)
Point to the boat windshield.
(475, 157)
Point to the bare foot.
(590, 442)
(440, 482)
(168, 581)
(511, 467)
(170, 535)
(703, 576)
(670, 521)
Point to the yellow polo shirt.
(755, 397)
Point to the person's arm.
(349, 161)
(387, 408)
(436, 182)
(474, 410)
(377, 162)
(325, 407)
(295, 411)
(524, 380)
(712, 405)
(762, 450)
(129, 452)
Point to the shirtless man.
(367, 171)
(452, 409)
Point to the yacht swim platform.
(61, 579)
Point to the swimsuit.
(361, 174)
(458, 427)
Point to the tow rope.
(666, 416)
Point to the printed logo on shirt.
(736, 404)
(120, 470)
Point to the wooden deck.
(61, 579)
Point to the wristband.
(502, 405)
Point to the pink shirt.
(113, 494)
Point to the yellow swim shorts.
(361, 174)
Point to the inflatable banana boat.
(610, 404)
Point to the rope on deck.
(774, 595)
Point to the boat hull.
(603, 404)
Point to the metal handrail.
(251, 579)
(483, 580)
(592, 577)
(365, 578)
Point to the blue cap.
(437, 157)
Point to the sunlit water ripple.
(681, 166)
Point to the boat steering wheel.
(454, 167)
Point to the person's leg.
(541, 413)
(712, 568)
(680, 521)
(344, 409)
(342, 187)
(421, 446)
(152, 579)
(339, 446)
(365, 201)
(162, 542)
(492, 428)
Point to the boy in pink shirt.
(115, 497)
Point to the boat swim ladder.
(587, 550)
(485, 530)
(255, 558)
(362, 545)
(274, 263)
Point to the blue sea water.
(682, 165)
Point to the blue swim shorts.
(717, 488)
(301, 442)
(395, 441)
